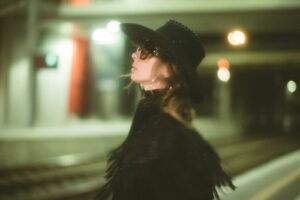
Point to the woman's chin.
(133, 78)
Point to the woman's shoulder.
(167, 126)
(180, 134)
(168, 121)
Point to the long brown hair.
(176, 100)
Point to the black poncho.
(161, 159)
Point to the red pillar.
(79, 2)
(81, 79)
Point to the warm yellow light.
(236, 38)
(223, 63)
(223, 74)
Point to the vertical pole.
(32, 33)
(3, 77)
(223, 103)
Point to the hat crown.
(184, 41)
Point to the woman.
(163, 157)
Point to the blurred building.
(61, 60)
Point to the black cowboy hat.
(181, 44)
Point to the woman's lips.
(133, 68)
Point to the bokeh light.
(223, 74)
(108, 35)
(223, 63)
(104, 36)
(236, 38)
(113, 26)
(51, 60)
(291, 86)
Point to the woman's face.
(150, 68)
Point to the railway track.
(78, 176)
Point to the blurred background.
(63, 102)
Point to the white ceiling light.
(113, 26)
(104, 36)
(236, 38)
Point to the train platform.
(82, 136)
(209, 128)
(278, 179)
(68, 162)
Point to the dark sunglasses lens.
(148, 49)
(144, 53)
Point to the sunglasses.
(148, 49)
(145, 53)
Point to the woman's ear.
(165, 71)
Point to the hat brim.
(137, 34)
